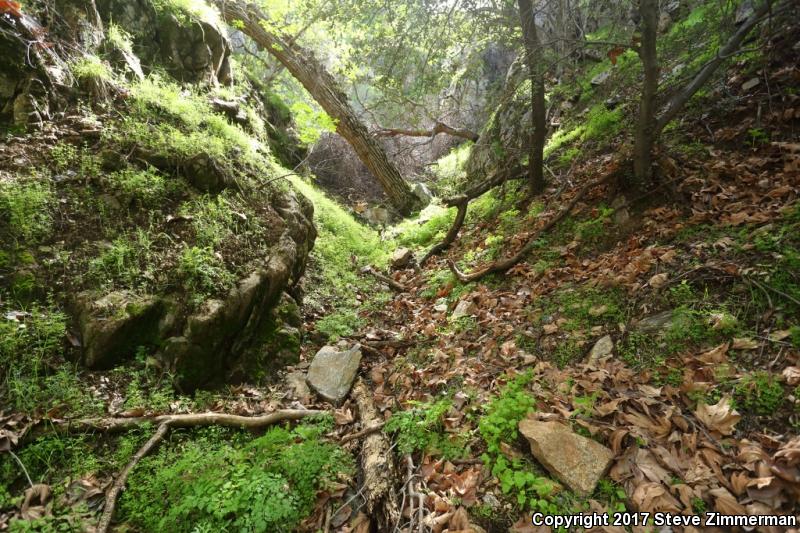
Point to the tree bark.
(302, 64)
(535, 61)
(645, 126)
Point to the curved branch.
(504, 264)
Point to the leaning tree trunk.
(645, 126)
(302, 64)
(535, 61)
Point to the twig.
(119, 484)
(396, 285)
(358, 434)
(773, 289)
(22, 466)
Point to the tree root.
(461, 202)
(111, 425)
(119, 484)
(377, 464)
(506, 263)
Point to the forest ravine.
(438, 266)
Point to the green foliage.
(124, 260)
(500, 424)
(147, 188)
(437, 221)
(612, 494)
(91, 67)
(421, 429)
(602, 123)
(34, 374)
(592, 230)
(210, 484)
(760, 393)
(450, 171)
(119, 38)
(504, 413)
(310, 122)
(25, 209)
(189, 10)
(203, 272)
(341, 241)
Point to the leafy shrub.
(268, 485)
(91, 67)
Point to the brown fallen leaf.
(791, 374)
(720, 417)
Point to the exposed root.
(506, 263)
(119, 484)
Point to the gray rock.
(464, 308)
(422, 192)
(602, 348)
(297, 385)
(749, 84)
(401, 258)
(653, 324)
(378, 216)
(576, 461)
(601, 78)
(332, 372)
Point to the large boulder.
(576, 461)
(254, 328)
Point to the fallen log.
(377, 464)
(439, 127)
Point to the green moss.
(188, 10)
(760, 393)
(602, 123)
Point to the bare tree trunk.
(535, 61)
(439, 127)
(302, 64)
(645, 126)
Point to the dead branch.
(439, 127)
(461, 203)
(362, 433)
(395, 285)
(111, 425)
(377, 464)
(119, 484)
(504, 264)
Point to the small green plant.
(760, 393)
(609, 492)
(421, 428)
(147, 187)
(203, 271)
(757, 136)
(91, 67)
(500, 425)
(25, 209)
(221, 484)
(794, 335)
(699, 505)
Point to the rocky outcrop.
(190, 49)
(254, 328)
